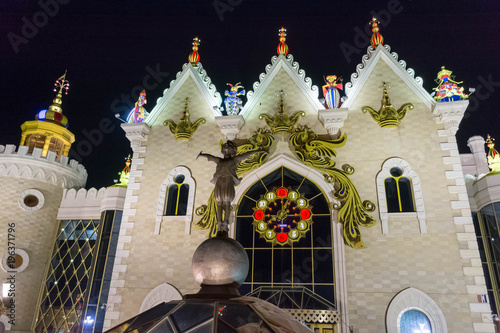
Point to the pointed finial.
(282, 47)
(194, 57)
(62, 84)
(186, 109)
(377, 38)
(386, 101)
(282, 101)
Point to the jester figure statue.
(232, 101)
(225, 179)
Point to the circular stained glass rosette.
(282, 216)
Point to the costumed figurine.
(448, 89)
(232, 101)
(225, 179)
(331, 91)
(139, 113)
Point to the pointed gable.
(280, 65)
(381, 65)
(203, 84)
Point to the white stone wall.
(442, 263)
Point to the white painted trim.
(414, 299)
(203, 83)
(188, 179)
(26, 261)
(416, 187)
(36, 193)
(5, 320)
(164, 292)
(298, 75)
(369, 61)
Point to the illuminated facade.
(345, 226)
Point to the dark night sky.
(107, 46)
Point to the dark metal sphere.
(219, 261)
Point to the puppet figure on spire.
(232, 101)
(331, 91)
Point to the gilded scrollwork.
(317, 151)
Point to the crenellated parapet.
(21, 164)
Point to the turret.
(49, 131)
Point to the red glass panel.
(282, 237)
(305, 214)
(281, 192)
(259, 215)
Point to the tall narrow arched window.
(284, 223)
(177, 197)
(398, 192)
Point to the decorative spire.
(387, 116)
(377, 38)
(62, 84)
(493, 156)
(232, 101)
(125, 173)
(448, 89)
(282, 47)
(185, 129)
(282, 123)
(54, 112)
(194, 57)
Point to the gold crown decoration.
(282, 123)
(387, 116)
(185, 129)
(493, 155)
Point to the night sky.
(109, 47)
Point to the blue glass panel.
(414, 321)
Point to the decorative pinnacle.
(282, 47)
(185, 114)
(282, 101)
(377, 38)
(62, 84)
(194, 57)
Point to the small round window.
(15, 262)
(31, 200)
(396, 172)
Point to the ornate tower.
(49, 131)
(33, 179)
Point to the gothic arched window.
(398, 192)
(284, 223)
(177, 197)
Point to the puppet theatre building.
(354, 214)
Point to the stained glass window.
(307, 261)
(414, 321)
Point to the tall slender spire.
(194, 57)
(377, 38)
(282, 47)
(63, 86)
